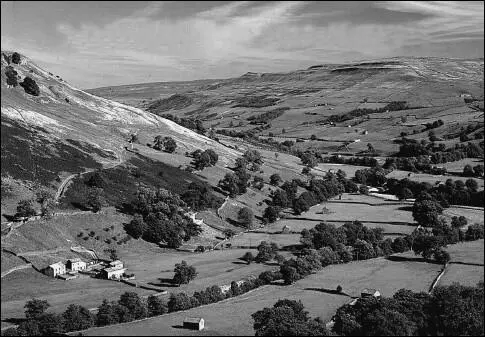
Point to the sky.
(107, 43)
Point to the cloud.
(232, 38)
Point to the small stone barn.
(194, 323)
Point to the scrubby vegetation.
(254, 102)
(392, 106)
(267, 116)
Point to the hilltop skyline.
(115, 43)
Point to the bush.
(15, 58)
(30, 86)
(11, 76)
(245, 216)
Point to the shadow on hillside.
(292, 248)
(164, 282)
(239, 262)
(328, 291)
(406, 208)
(14, 320)
(178, 326)
(409, 259)
(9, 217)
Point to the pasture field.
(233, 317)
(20, 286)
(472, 215)
(430, 178)
(10, 261)
(457, 166)
(468, 252)
(463, 274)
(254, 239)
(217, 267)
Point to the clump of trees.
(235, 183)
(189, 123)
(199, 197)
(287, 318)
(359, 161)
(203, 159)
(161, 218)
(448, 310)
(30, 86)
(167, 144)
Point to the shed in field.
(370, 293)
(194, 323)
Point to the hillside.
(432, 88)
(65, 130)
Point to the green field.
(233, 317)
(463, 274)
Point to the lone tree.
(270, 214)
(30, 86)
(16, 58)
(184, 273)
(35, 308)
(275, 179)
(245, 217)
(426, 212)
(169, 144)
(248, 257)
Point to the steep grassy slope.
(68, 130)
(431, 86)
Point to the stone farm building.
(114, 271)
(56, 269)
(194, 323)
(76, 264)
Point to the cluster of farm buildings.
(71, 269)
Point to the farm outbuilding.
(76, 264)
(113, 272)
(370, 293)
(56, 269)
(194, 323)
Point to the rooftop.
(368, 291)
(192, 319)
(57, 264)
(108, 270)
(77, 259)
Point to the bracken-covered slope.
(65, 129)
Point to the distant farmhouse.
(114, 271)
